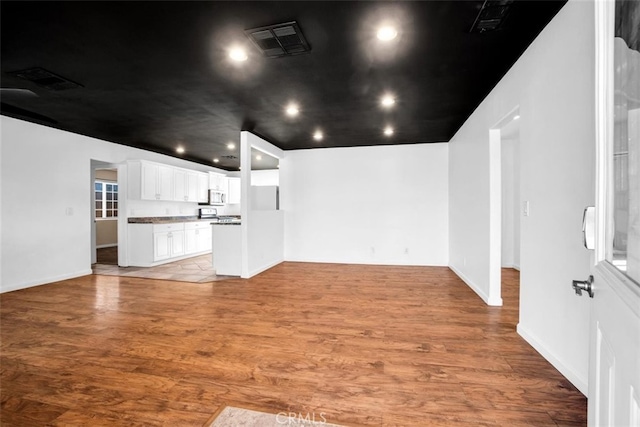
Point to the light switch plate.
(525, 208)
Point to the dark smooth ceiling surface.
(156, 75)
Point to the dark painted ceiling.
(156, 75)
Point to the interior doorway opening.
(104, 212)
(511, 200)
(504, 201)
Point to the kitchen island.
(227, 248)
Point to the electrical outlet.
(406, 251)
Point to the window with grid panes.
(106, 199)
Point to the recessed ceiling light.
(516, 117)
(292, 110)
(386, 33)
(388, 131)
(258, 157)
(231, 146)
(317, 135)
(238, 54)
(387, 101)
(216, 160)
(180, 150)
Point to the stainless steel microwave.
(217, 198)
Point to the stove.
(207, 213)
(228, 219)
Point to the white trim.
(476, 288)
(575, 379)
(261, 269)
(389, 262)
(495, 214)
(46, 281)
(604, 51)
(621, 284)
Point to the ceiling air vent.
(491, 16)
(46, 79)
(229, 157)
(279, 39)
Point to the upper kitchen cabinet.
(155, 181)
(150, 181)
(186, 185)
(203, 187)
(218, 182)
(180, 185)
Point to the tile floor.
(197, 269)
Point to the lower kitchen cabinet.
(197, 237)
(168, 244)
(155, 244)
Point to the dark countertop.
(165, 219)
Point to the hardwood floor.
(108, 256)
(361, 345)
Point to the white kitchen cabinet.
(165, 182)
(168, 241)
(168, 244)
(150, 181)
(192, 186)
(217, 182)
(197, 237)
(233, 197)
(185, 185)
(155, 244)
(180, 184)
(155, 181)
(203, 187)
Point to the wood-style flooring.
(358, 345)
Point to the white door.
(614, 364)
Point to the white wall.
(266, 177)
(371, 205)
(46, 233)
(262, 231)
(553, 85)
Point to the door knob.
(583, 285)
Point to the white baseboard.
(392, 262)
(261, 269)
(575, 379)
(45, 281)
(489, 301)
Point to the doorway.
(504, 201)
(104, 212)
(510, 182)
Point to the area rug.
(238, 417)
